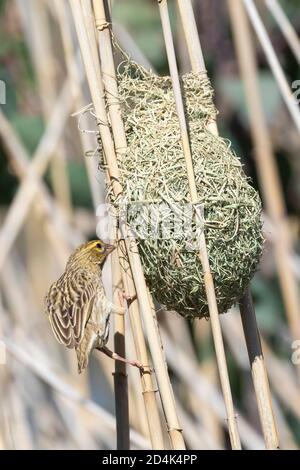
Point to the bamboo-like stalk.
(120, 375)
(110, 84)
(149, 390)
(138, 415)
(190, 374)
(97, 92)
(287, 95)
(190, 33)
(153, 419)
(258, 369)
(139, 57)
(203, 255)
(182, 345)
(259, 374)
(266, 166)
(76, 89)
(201, 333)
(285, 26)
(278, 371)
(73, 73)
(41, 48)
(111, 91)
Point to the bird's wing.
(69, 304)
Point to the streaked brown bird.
(77, 307)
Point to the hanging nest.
(154, 174)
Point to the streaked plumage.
(76, 303)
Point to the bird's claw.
(126, 297)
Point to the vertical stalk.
(273, 61)
(97, 92)
(111, 89)
(203, 255)
(266, 166)
(259, 374)
(251, 333)
(149, 392)
(120, 374)
(45, 67)
(285, 26)
(77, 93)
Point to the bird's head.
(94, 252)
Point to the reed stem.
(273, 61)
(97, 91)
(285, 26)
(250, 330)
(203, 255)
(266, 166)
(120, 374)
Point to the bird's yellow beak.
(109, 248)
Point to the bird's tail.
(85, 347)
(82, 358)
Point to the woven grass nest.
(153, 171)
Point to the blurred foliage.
(23, 110)
(233, 89)
(15, 63)
(80, 191)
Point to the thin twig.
(286, 27)
(208, 279)
(287, 95)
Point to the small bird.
(77, 307)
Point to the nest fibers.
(154, 176)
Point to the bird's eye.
(99, 247)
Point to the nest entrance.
(153, 173)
